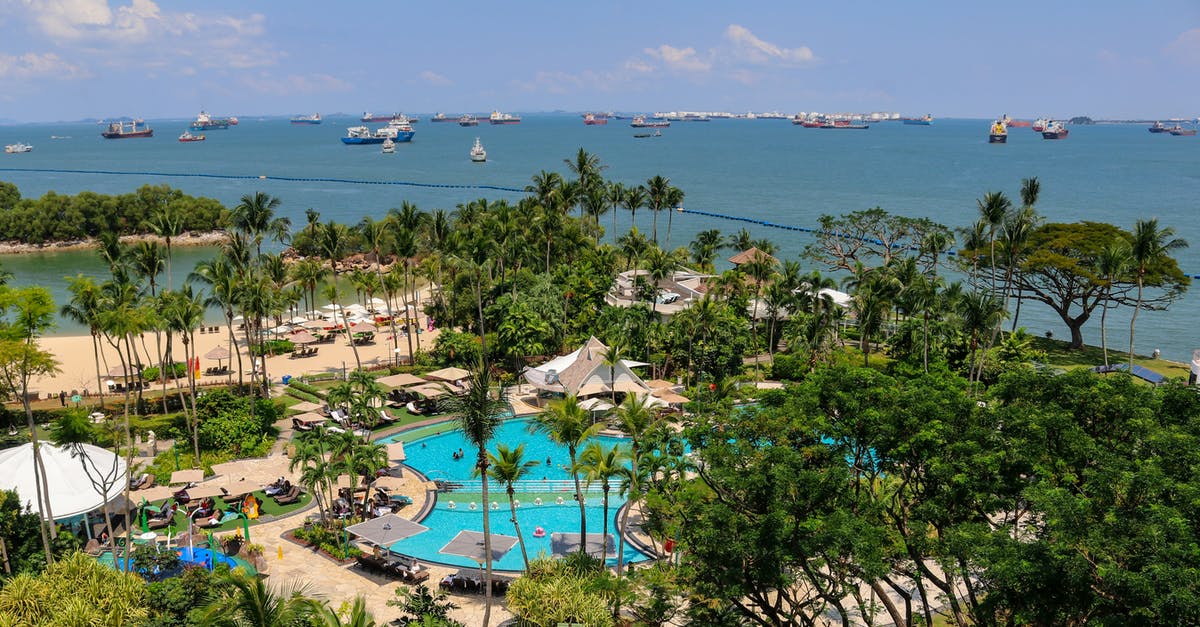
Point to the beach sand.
(77, 363)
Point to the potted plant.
(232, 544)
(254, 554)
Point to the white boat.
(389, 146)
(478, 154)
(22, 147)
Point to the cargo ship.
(1040, 125)
(1179, 131)
(304, 120)
(205, 122)
(924, 120)
(999, 133)
(594, 120)
(361, 135)
(1158, 127)
(440, 117)
(125, 130)
(468, 120)
(503, 118)
(371, 117)
(1055, 130)
(640, 121)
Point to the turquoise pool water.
(434, 457)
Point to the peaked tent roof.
(748, 255)
(584, 373)
(71, 490)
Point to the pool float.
(559, 500)
(539, 533)
(516, 502)
(537, 501)
(472, 505)
(495, 505)
(451, 505)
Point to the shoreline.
(186, 239)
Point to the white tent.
(71, 490)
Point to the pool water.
(434, 457)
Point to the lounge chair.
(290, 497)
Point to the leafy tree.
(1151, 247)
(872, 237)
(508, 467)
(77, 590)
(568, 424)
(240, 600)
(420, 603)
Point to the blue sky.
(71, 59)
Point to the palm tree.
(1151, 246)
(570, 425)
(84, 309)
(980, 312)
(317, 472)
(636, 419)
(167, 222)
(658, 188)
(603, 465)
(478, 413)
(673, 202)
(635, 198)
(615, 195)
(705, 247)
(993, 208)
(660, 266)
(333, 240)
(1112, 264)
(241, 600)
(356, 615)
(183, 313)
(255, 217)
(508, 467)
(221, 278)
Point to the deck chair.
(290, 497)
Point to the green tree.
(1151, 247)
(602, 464)
(240, 600)
(1112, 264)
(568, 424)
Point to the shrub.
(329, 540)
(228, 424)
(557, 592)
(296, 384)
(273, 347)
(175, 371)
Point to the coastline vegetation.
(921, 463)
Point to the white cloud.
(1186, 47)
(639, 66)
(34, 65)
(65, 20)
(682, 59)
(433, 78)
(748, 47)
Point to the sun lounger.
(291, 496)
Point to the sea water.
(762, 169)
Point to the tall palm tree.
(183, 313)
(255, 217)
(635, 198)
(705, 247)
(570, 425)
(658, 188)
(167, 221)
(508, 466)
(333, 240)
(979, 312)
(673, 203)
(222, 280)
(602, 464)
(241, 600)
(636, 419)
(84, 309)
(660, 266)
(993, 208)
(615, 194)
(1112, 264)
(1151, 246)
(478, 413)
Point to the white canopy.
(71, 490)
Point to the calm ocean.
(764, 169)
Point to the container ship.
(205, 122)
(640, 121)
(124, 130)
(591, 119)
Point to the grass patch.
(1060, 356)
(268, 508)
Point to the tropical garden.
(920, 464)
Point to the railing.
(566, 486)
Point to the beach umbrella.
(403, 379)
(220, 353)
(316, 324)
(563, 544)
(386, 530)
(303, 337)
(469, 544)
(332, 307)
(363, 327)
(378, 303)
(298, 320)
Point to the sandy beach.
(78, 368)
(205, 238)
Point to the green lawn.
(268, 508)
(1059, 356)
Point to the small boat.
(126, 130)
(1179, 131)
(478, 154)
(844, 124)
(389, 146)
(233, 121)
(1055, 130)
(999, 133)
(640, 121)
(306, 120)
(60, 137)
(188, 137)
(17, 148)
(503, 118)
(1158, 127)
(924, 120)
(594, 120)
(656, 133)
(468, 120)
(1040, 125)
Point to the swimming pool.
(434, 457)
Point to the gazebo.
(72, 489)
(584, 373)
